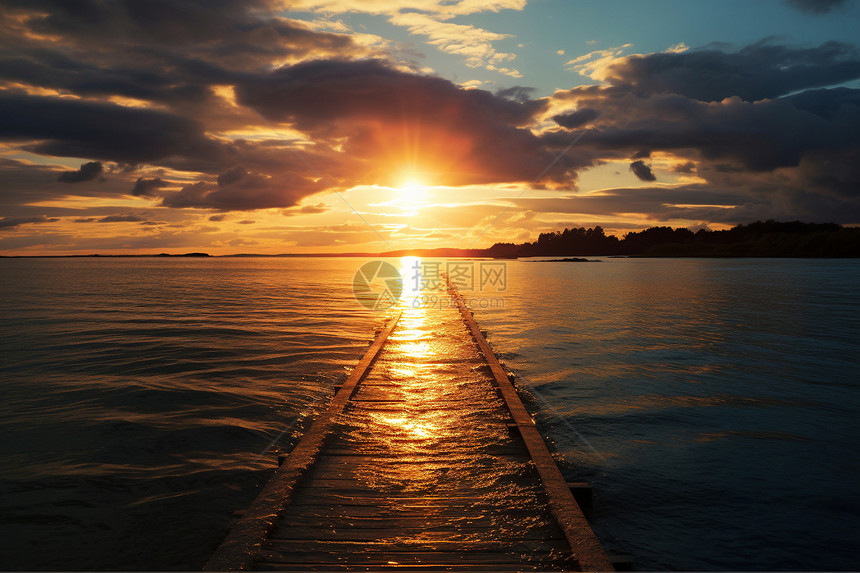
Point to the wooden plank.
(390, 459)
(416, 568)
(278, 549)
(352, 512)
(409, 522)
(422, 533)
(360, 462)
(447, 450)
(406, 557)
(236, 551)
(392, 498)
(381, 486)
(582, 539)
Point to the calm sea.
(712, 403)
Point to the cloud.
(516, 93)
(240, 34)
(431, 18)
(593, 64)
(387, 119)
(642, 171)
(793, 156)
(577, 118)
(74, 128)
(815, 6)
(120, 219)
(446, 8)
(760, 136)
(474, 44)
(146, 187)
(759, 71)
(87, 172)
(12, 222)
(238, 189)
(716, 203)
(685, 167)
(309, 209)
(230, 106)
(305, 210)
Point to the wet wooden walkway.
(425, 460)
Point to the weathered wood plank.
(289, 566)
(406, 557)
(281, 548)
(392, 501)
(305, 529)
(361, 462)
(421, 534)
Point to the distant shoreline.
(528, 258)
(769, 240)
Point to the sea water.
(711, 403)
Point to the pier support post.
(584, 496)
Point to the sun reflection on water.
(410, 296)
(434, 432)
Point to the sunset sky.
(264, 126)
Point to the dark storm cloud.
(120, 219)
(146, 187)
(168, 52)
(238, 189)
(105, 131)
(685, 167)
(759, 71)
(796, 156)
(87, 172)
(12, 222)
(237, 32)
(715, 202)
(317, 92)
(24, 185)
(815, 6)
(382, 112)
(759, 136)
(576, 119)
(51, 68)
(643, 171)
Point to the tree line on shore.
(759, 239)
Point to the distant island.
(759, 239)
(101, 256)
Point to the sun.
(412, 190)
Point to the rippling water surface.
(142, 397)
(711, 402)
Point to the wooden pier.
(424, 460)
